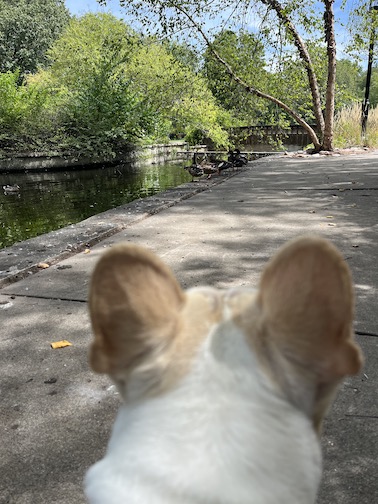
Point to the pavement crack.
(47, 298)
(366, 333)
(328, 189)
(351, 415)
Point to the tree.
(247, 55)
(27, 29)
(184, 54)
(97, 104)
(108, 87)
(178, 95)
(349, 78)
(281, 21)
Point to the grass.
(347, 128)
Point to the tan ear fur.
(307, 306)
(134, 304)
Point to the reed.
(347, 127)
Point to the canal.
(51, 200)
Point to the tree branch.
(247, 87)
(306, 58)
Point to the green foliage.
(27, 30)
(363, 23)
(88, 42)
(123, 87)
(245, 53)
(181, 98)
(348, 83)
(373, 95)
(290, 81)
(301, 85)
(88, 70)
(184, 54)
(106, 88)
(22, 111)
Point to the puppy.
(224, 391)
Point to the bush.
(106, 88)
(20, 106)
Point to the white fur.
(222, 435)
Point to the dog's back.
(224, 391)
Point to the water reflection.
(51, 200)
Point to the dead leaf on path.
(43, 265)
(87, 251)
(329, 217)
(4, 305)
(60, 344)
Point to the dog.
(224, 391)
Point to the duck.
(198, 169)
(194, 170)
(219, 164)
(237, 158)
(224, 165)
(209, 169)
(11, 189)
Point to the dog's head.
(293, 336)
(224, 391)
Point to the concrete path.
(56, 414)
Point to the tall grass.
(347, 128)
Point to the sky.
(80, 7)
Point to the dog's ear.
(307, 304)
(134, 305)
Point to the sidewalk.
(56, 414)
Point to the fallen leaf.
(329, 217)
(86, 251)
(43, 265)
(60, 344)
(4, 305)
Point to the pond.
(51, 200)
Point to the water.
(51, 200)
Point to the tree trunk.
(327, 143)
(305, 56)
